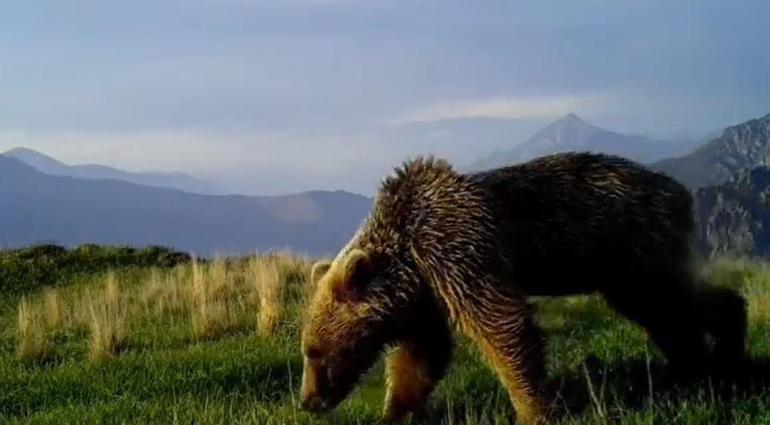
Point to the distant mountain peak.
(569, 130)
(22, 151)
(572, 133)
(37, 160)
(572, 118)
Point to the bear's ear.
(357, 271)
(318, 271)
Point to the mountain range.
(731, 182)
(48, 165)
(44, 200)
(38, 207)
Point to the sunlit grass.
(217, 342)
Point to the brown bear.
(442, 248)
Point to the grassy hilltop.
(114, 336)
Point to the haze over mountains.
(48, 165)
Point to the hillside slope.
(740, 147)
(36, 207)
(734, 217)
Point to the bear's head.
(350, 319)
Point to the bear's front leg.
(504, 328)
(415, 366)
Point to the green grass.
(164, 372)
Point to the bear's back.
(586, 217)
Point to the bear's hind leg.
(416, 365)
(722, 312)
(665, 307)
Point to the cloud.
(510, 108)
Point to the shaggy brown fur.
(441, 247)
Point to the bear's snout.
(314, 404)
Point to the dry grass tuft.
(111, 289)
(208, 313)
(33, 343)
(107, 325)
(165, 294)
(53, 309)
(268, 285)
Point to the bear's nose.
(313, 404)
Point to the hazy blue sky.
(269, 97)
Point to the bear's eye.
(313, 353)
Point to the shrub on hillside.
(27, 269)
